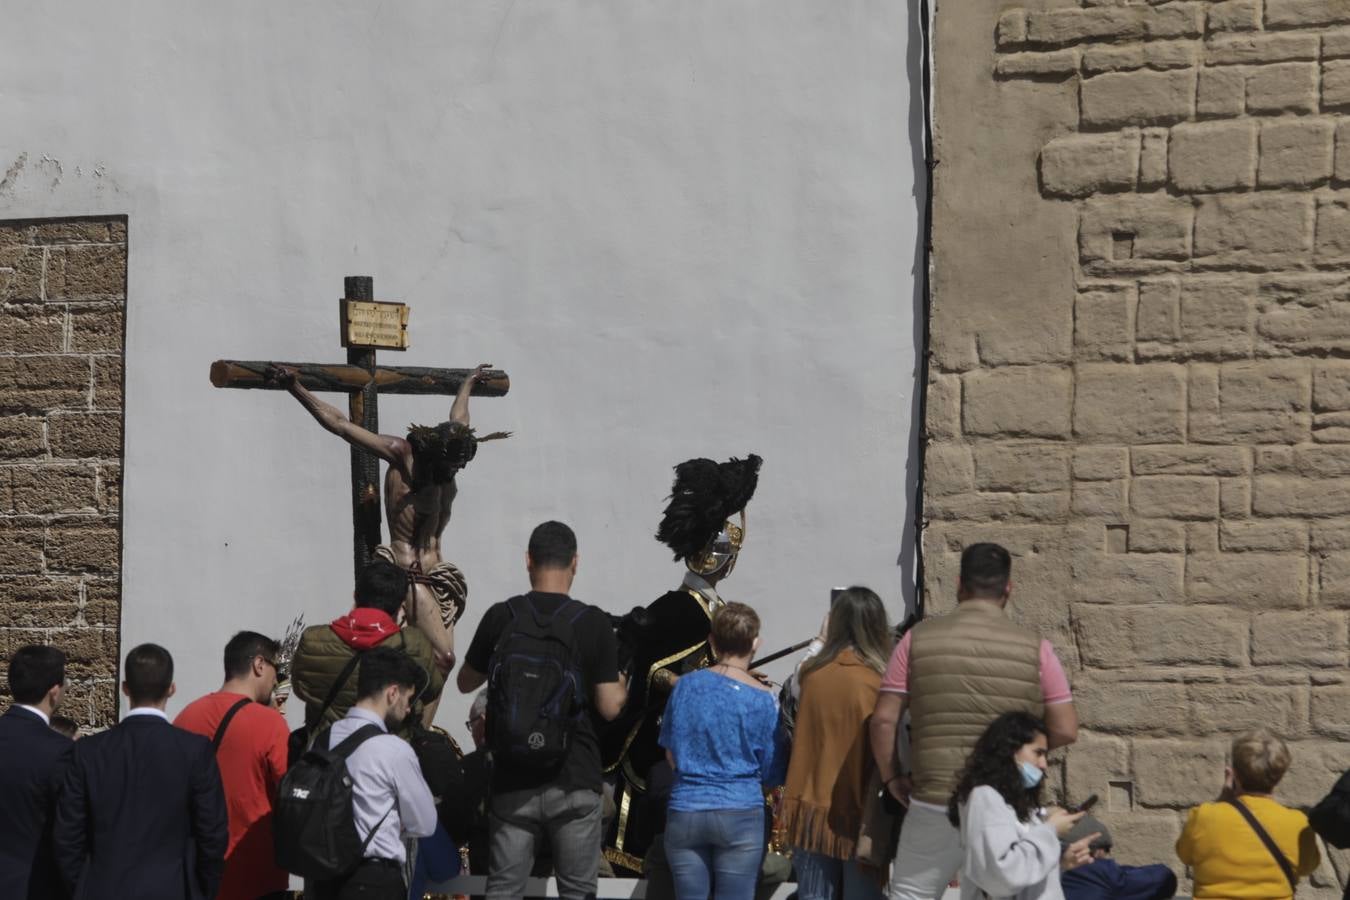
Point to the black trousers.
(374, 879)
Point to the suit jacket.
(33, 759)
(142, 814)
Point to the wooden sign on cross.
(363, 381)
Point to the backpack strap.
(527, 608)
(1266, 839)
(576, 606)
(580, 610)
(516, 615)
(225, 723)
(345, 749)
(358, 737)
(338, 685)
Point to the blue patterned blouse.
(726, 742)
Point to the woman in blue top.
(720, 731)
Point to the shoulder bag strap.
(338, 685)
(225, 723)
(1266, 839)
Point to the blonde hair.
(734, 629)
(1260, 759)
(857, 620)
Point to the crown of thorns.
(449, 442)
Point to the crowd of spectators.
(905, 765)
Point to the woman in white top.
(1011, 843)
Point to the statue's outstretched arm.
(459, 412)
(331, 418)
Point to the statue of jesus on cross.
(419, 488)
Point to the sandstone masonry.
(62, 303)
(1174, 478)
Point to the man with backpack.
(551, 664)
(249, 738)
(346, 807)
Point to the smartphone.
(834, 595)
(1087, 804)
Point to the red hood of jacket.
(363, 628)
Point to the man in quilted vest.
(954, 675)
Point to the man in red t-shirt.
(251, 754)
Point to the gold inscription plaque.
(375, 324)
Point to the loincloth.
(445, 581)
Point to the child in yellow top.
(1226, 857)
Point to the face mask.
(1031, 775)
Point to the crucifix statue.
(419, 486)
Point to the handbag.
(880, 830)
(1266, 839)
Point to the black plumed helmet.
(705, 494)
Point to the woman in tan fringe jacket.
(822, 807)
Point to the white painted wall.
(685, 228)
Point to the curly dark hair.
(991, 763)
(439, 451)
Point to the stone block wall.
(62, 305)
(1169, 457)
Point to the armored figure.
(704, 525)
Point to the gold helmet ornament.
(704, 522)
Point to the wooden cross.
(363, 381)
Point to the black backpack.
(535, 697)
(314, 826)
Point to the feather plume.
(705, 494)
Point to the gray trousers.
(571, 819)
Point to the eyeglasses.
(270, 662)
(473, 720)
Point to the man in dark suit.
(142, 811)
(33, 759)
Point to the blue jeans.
(826, 878)
(717, 850)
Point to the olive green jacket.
(321, 656)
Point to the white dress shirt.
(46, 720)
(386, 778)
(146, 711)
(699, 583)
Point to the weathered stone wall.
(62, 299)
(1151, 407)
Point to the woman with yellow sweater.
(1226, 854)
